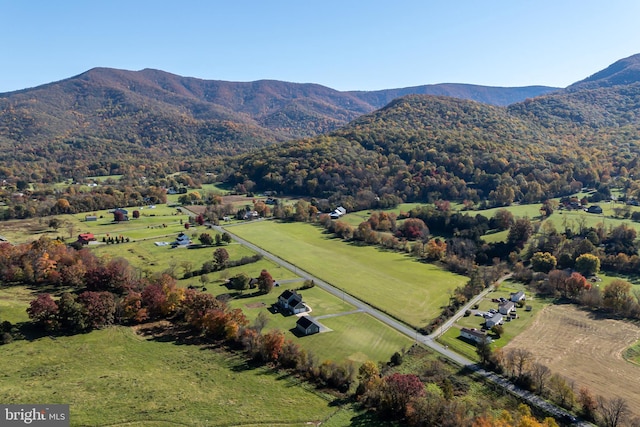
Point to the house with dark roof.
(291, 301)
(517, 296)
(475, 335)
(594, 209)
(182, 240)
(307, 326)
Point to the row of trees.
(520, 366)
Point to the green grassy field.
(413, 292)
(146, 256)
(632, 354)
(14, 301)
(511, 329)
(115, 377)
(354, 337)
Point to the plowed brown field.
(585, 349)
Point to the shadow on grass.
(297, 333)
(246, 364)
(29, 331)
(176, 334)
(368, 419)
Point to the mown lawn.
(396, 283)
(354, 337)
(357, 338)
(115, 377)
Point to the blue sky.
(346, 45)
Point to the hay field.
(586, 349)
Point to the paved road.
(475, 300)
(427, 340)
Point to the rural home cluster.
(506, 311)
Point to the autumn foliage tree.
(265, 282)
(397, 391)
(414, 229)
(100, 308)
(221, 256)
(44, 311)
(587, 264)
(272, 343)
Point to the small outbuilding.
(306, 326)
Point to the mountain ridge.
(104, 119)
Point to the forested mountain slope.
(105, 116)
(429, 147)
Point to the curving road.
(427, 340)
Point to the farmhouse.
(182, 240)
(517, 296)
(474, 335)
(594, 209)
(291, 301)
(306, 326)
(248, 216)
(338, 212)
(493, 321)
(507, 307)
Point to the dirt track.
(585, 349)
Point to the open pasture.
(587, 349)
(398, 284)
(14, 301)
(146, 256)
(116, 377)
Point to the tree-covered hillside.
(426, 148)
(89, 122)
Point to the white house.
(495, 320)
(517, 296)
(338, 212)
(507, 307)
(474, 335)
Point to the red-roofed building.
(85, 238)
